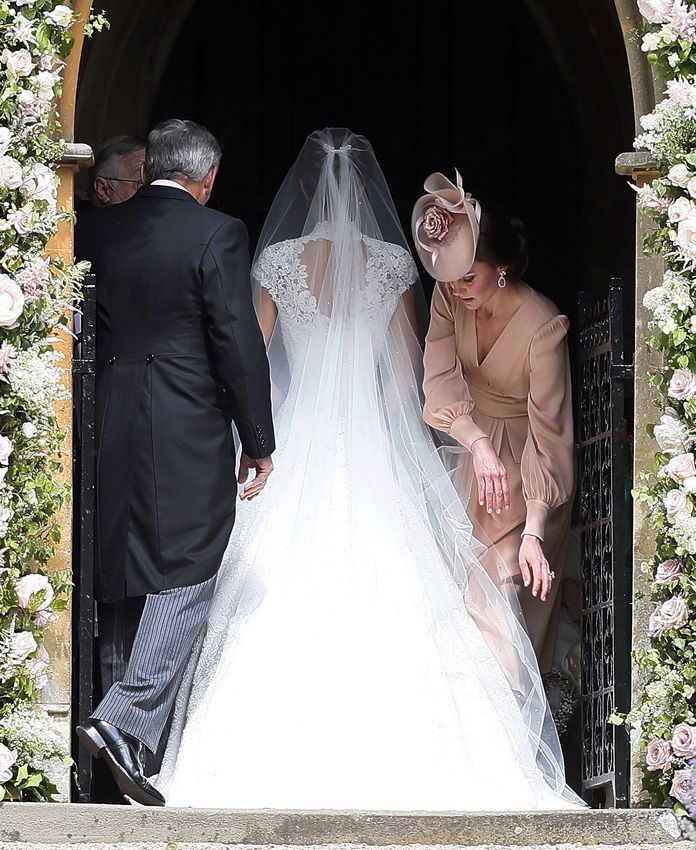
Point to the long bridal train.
(358, 654)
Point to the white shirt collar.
(172, 183)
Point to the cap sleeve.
(448, 402)
(547, 459)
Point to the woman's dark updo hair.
(502, 240)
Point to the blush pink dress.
(520, 397)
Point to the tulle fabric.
(359, 655)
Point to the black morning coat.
(179, 356)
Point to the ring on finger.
(551, 575)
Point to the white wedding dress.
(342, 668)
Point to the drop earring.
(502, 279)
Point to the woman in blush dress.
(497, 381)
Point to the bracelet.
(484, 437)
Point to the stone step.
(681, 845)
(36, 824)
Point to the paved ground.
(679, 845)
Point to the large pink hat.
(445, 225)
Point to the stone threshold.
(72, 823)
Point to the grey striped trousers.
(140, 705)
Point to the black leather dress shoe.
(122, 755)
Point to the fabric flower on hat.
(436, 222)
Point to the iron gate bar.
(606, 624)
(84, 389)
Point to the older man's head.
(186, 153)
(118, 170)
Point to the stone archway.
(126, 67)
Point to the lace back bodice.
(282, 269)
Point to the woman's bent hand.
(534, 566)
(491, 477)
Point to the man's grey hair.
(177, 148)
(112, 149)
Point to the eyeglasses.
(139, 182)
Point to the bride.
(358, 655)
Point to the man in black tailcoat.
(180, 355)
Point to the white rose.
(686, 236)
(61, 16)
(7, 759)
(651, 41)
(40, 185)
(29, 430)
(31, 585)
(27, 97)
(18, 62)
(676, 503)
(21, 221)
(681, 208)
(680, 466)
(5, 450)
(682, 385)
(11, 302)
(11, 176)
(23, 644)
(37, 670)
(24, 2)
(5, 140)
(45, 82)
(679, 175)
(689, 484)
(691, 187)
(655, 11)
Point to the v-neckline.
(480, 363)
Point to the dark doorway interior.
(474, 86)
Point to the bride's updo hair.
(502, 240)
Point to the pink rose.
(43, 618)
(682, 386)
(11, 302)
(436, 222)
(674, 613)
(655, 11)
(668, 572)
(683, 786)
(656, 627)
(684, 741)
(676, 503)
(659, 755)
(682, 466)
(33, 584)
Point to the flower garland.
(665, 714)
(37, 295)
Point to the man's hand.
(263, 467)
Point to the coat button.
(112, 360)
(149, 358)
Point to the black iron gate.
(606, 567)
(83, 531)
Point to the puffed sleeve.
(448, 402)
(547, 459)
